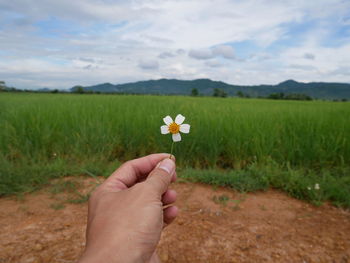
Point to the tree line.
(274, 96)
(194, 92)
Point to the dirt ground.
(215, 225)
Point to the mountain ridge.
(320, 90)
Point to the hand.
(126, 213)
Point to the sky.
(59, 44)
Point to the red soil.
(256, 227)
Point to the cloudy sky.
(61, 43)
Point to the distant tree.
(240, 94)
(273, 96)
(276, 96)
(216, 92)
(78, 89)
(292, 96)
(219, 93)
(297, 96)
(2, 85)
(223, 94)
(54, 91)
(344, 100)
(194, 92)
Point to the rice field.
(44, 136)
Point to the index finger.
(134, 171)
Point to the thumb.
(160, 177)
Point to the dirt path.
(214, 226)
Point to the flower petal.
(179, 119)
(164, 129)
(185, 128)
(168, 120)
(176, 137)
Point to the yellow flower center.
(174, 128)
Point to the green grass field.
(247, 144)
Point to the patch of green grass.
(334, 187)
(45, 136)
(68, 190)
(67, 186)
(71, 187)
(25, 177)
(247, 180)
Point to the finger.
(134, 171)
(174, 178)
(169, 197)
(169, 214)
(160, 178)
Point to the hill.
(321, 90)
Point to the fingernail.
(167, 165)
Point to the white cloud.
(166, 54)
(224, 51)
(214, 63)
(201, 53)
(148, 64)
(64, 43)
(309, 56)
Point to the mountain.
(321, 90)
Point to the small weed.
(80, 199)
(236, 204)
(57, 206)
(221, 199)
(70, 188)
(64, 186)
(317, 202)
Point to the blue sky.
(59, 44)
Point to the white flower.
(175, 127)
(309, 188)
(317, 187)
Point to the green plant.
(221, 199)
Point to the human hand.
(126, 213)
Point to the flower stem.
(171, 151)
